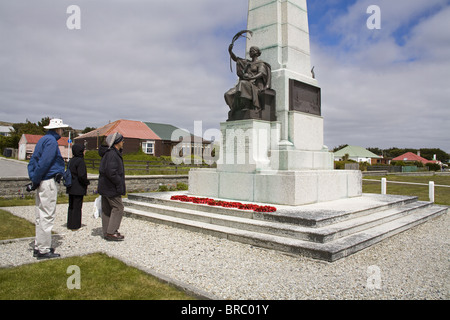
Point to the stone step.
(314, 215)
(326, 213)
(357, 224)
(322, 234)
(329, 251)
(225, 220)
(163, 198)
(353, 243)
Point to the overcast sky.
(167, 61)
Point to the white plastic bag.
(98, 207)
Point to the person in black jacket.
(111, 186)
(78, 188)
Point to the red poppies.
(225, 204)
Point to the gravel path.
(413, 265)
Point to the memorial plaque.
(304, 98)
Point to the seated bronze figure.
(252, 97)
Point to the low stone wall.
(418, 173)
(15, 187)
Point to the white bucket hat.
(55, 124)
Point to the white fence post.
(383, 185)
(431, 191)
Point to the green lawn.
(441, 194)
(13, 227)
(101, 278)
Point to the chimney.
(418, 153)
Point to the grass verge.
(13, 227)
(101, 278)
(441, 194)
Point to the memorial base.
(277, 187)
(255, 166)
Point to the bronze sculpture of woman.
(254, 77)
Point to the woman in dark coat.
(111, 186)
(78, 188)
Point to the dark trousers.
(74, 212)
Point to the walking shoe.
(114, 237)
(119, 234)
(36, 251)
(48, 255)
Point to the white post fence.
(430, 185)
(383, 186)
(431, 191)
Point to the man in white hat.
(45, 169)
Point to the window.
(148, 147)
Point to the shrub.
(163, 188)
(182, 186)
(433, 166)
(92, 154)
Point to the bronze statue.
(254, 79)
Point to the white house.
(5, 130)
(355, 153)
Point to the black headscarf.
(77, 150)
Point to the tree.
(342, 146)
(440, 154)
(23, 128)
(88, 129)
(44, 122)
(27, 127)
(377, 151)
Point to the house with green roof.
(355, 153)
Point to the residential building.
(156, 139)
(355, 153)
(134, 133)
(171, 136)
(412, 157)
(5, 130)
(27, 144)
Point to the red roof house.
(28, 142)
(134, 133)
(411, 157)
(151, 138)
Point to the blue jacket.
(46, 160)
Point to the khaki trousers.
(112, 213)
(45, 211)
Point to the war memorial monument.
(273, 154)
(272, 148)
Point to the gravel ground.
(412, 265)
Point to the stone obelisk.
(280, 29)
(284, 161)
